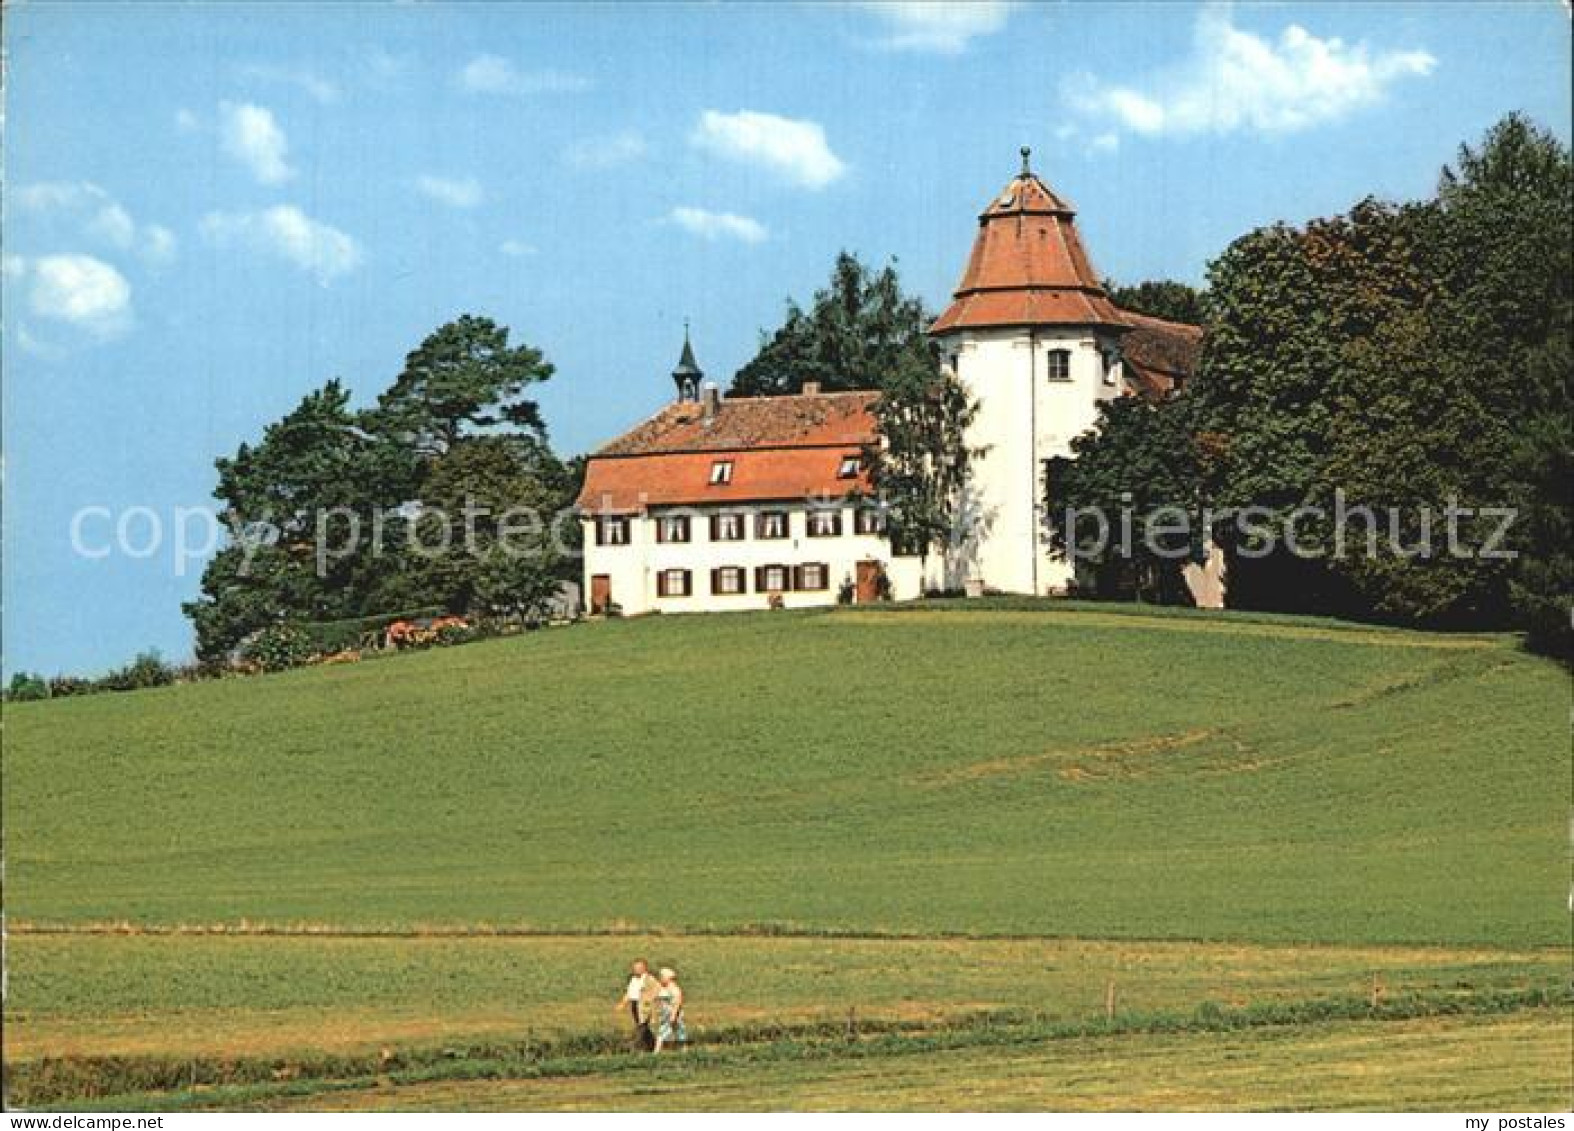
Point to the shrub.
(25, 686)
(452, 630)
(63, 685)
(147, 670)
(278, 647)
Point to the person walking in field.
(669, 999)
(639, 998)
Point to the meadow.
(908, 815)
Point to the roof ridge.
(1179, 325)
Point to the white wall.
(1023, 419)
(633, 568)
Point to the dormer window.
(721, 473)
(1058, 366)
(849, 468)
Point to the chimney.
(811, 388)
(711, 400)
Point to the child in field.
(669, 1000)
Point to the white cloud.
(517, 249)
(250, 134)
(795, 148)
(79, 290)
(455, 192)
(187, 122)
(718, 225)
(288, 233)
(493, 74)
(1236, 80)
(114, 225)
(940, 28)
(82, 208)
(158, 243)
(313, 84)
(606, 152)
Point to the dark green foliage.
(1543, 461)
(920, 467)
(26, 686)
(499, 496)
(278, 647)
(1142, 457)
(1404, 362)
(854, 335)
(1160, 298)
(147, 670)
(335, 513)
(463, 377)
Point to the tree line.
(337, 512)
(1401, 357)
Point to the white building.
(744, 502)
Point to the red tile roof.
(781, 448)
(1028, 267)
(1159, 354)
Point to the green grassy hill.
(979, 771)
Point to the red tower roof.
(1028, 266)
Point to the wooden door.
(869, 582)
(600, 593)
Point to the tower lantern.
(688, 375)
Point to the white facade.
(1037, 388)
(633, 572)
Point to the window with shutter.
(1058, 365)
(825, 523)
(770, 524)
(673, 583)
(813, 576)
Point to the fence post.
(1109, 1001)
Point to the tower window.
(1059, 365)
(721, 472)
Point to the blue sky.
(211, 209)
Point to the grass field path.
(1515, 1063)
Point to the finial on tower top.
(1027, 170)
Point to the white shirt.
(636, 988)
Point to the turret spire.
(688, 375)
(1027, 168)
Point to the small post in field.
(1377, 988)
(852, 1022)
(1109, 1001)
